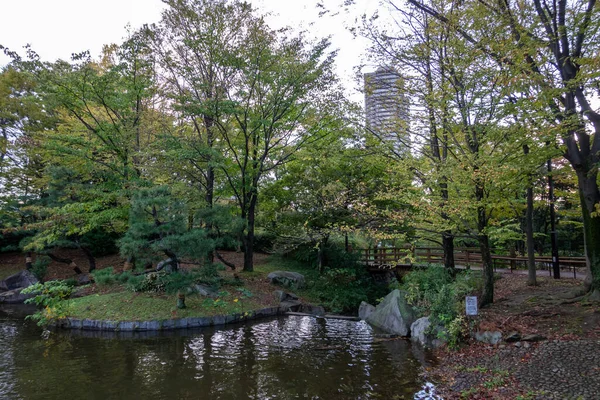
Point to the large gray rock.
(14, 296)
(21, 279)
(393, 315)
(206, 291)
(287, 279)
(420, 333)
(364, 310)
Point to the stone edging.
(166, 324)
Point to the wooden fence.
(404, 258)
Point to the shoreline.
(165, 324)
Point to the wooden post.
(28, 262)
(468, 258)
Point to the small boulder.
(512, 337)
(21, 279)
(533, 338)
(419, 332)
(393, 315)
(490, 337)
(287, 279)
(84, 279)
(310, 309)
(280, 296)
(206, 291)
(365, 310)
(290, 305)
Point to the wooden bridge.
(398, 258)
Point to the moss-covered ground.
(117, 303)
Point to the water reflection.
(281, 358)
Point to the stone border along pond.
(166, 324)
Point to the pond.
(280, 358)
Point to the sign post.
(471, 305)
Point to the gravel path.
(563, 370)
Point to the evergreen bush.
(39, 268)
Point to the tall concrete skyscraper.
(386, 107)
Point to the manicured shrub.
(105, 276)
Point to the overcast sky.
(57, 28)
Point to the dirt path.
(563, 366)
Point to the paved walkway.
(564, 370)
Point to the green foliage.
(342, 288)
(264, 241)
(160, 225)
(52, 297)
(105, 277)
(432, 291)
(101, 242)
(39, 267)
(163, 282)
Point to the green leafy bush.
(432, 291)
(342, 289)
(52, 297)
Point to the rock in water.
(14, 296)
(419, 333)
(365, 310)
(393, 315)
(288, 279)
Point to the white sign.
(471, 305)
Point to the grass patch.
(128, 306)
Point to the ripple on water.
(279, 358)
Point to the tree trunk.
(448, 247)
(249, 238)
(90, 257)
(225, 262)
(28, 262)
(210, 175)
(531, 275)
(487, 296)
(553, 240)
(65, 261)
(174, 260)
(589, 197)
